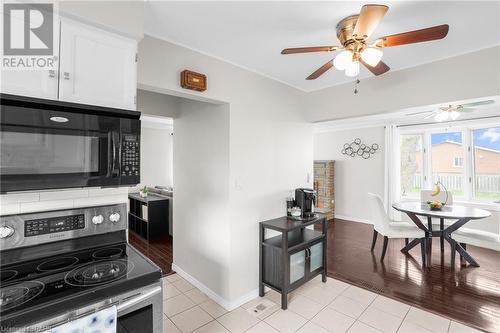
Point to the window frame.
(460, 163)
(467, 129)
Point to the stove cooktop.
(31, 290)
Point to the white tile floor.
(316, 307)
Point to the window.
(458, 162)
(486, 154)
(465, 159)
(446, 147)
(411, 165)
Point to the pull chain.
(356, 86)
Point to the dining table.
(458, 213)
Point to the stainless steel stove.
(59, 266)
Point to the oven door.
(141, 313)
(43, 149)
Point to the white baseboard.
(353, 219)
(226, 304)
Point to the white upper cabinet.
(34, 83)
(96, 67)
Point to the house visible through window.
(486, 155)
(458, 162)
(466, 160)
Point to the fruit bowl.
(435, 205)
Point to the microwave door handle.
(114, 154)
(114, 139)
(110, 154)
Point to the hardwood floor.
(467, 294)
(159, 251)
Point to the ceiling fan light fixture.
(371, 56)
(342, 60)
(454, 115)
(352, 69)
(441, 116)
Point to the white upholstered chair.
(474, 237)
(426, 195)
(383, 225)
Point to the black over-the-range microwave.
(46, 144)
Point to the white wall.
(156, 156)
(354, 176)
(156, 104)
(471, 75)
(270, 153)
(201, 205)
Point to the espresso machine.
(305, 199)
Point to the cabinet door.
(316, 259)
(297, 266)
(97, 67)
(41, 83)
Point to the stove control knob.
(115, 217)
(98, 219)
(6, 231)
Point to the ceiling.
(252, 34)
(416, 116)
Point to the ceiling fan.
(451, 112)
(353, 33)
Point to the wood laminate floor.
(159, 250)
(467, 294)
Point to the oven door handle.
(137, 299)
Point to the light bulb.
(441, 116)
(342, 60)
(371, 56)
(454, 115)
(352, 69)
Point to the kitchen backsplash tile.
(9, 209)
(19, 197)
(108, 191)
(63, 194)
(28, 202)
(29, 207)
(101, 200)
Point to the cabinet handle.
(52, 73)
(66, 75)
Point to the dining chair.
(479, 238)
(426, 195)
(392, 229)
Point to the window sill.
(494, 207)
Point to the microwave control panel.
(53, 224)
(130, 155)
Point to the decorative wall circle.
(357, 148)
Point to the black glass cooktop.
(42, 286)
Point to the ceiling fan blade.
(416, 36)
(466, 110)
(430, 115)
(379, 69)
(294, 50)
(317, 73)
(369, 18)
(420, 112)
(479, 103)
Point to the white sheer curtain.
(392, 172)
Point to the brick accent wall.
(324, 172)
